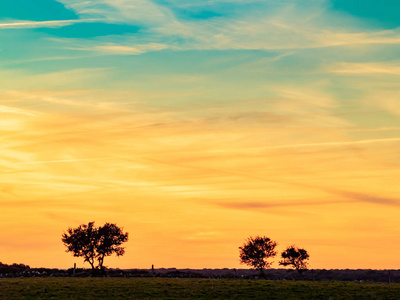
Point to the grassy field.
(169, 288)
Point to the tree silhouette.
(256, 251)
(95, 243)
(295, 257)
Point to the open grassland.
(182, 288)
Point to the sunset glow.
(196, 124)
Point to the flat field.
(182, 288)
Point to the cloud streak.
(366, 198)
(12, 110)
(42, 24)
(366, 69)
(59, 161)
(262, 206)
(336, 144)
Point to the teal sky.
(384, 14)
(253, 43)
(213, 111)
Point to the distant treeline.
(12, 269)
(361, 275)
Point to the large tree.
(95, 243)
(256, 251)
(295, 257)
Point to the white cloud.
(290, 25)
(38, 24)
(123, 11)
(116, 49)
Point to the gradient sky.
(196, 124)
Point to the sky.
(197, 124)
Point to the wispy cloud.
(39, 24)
(56, 79)
(118, 49)
(59, 161)
(366, 69)
(270, 31)
(337, 144)
(366, 198)
(261, 206)
(13, 110)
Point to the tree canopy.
(95, 243)
(256, 251)
(295, 257)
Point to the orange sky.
(190, 190)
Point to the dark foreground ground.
(190, 288)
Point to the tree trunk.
(262, 274)
(93, 268)
(300, 273)
(101, 261)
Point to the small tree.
(256, 251)
(95, 243)
(295, 257)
